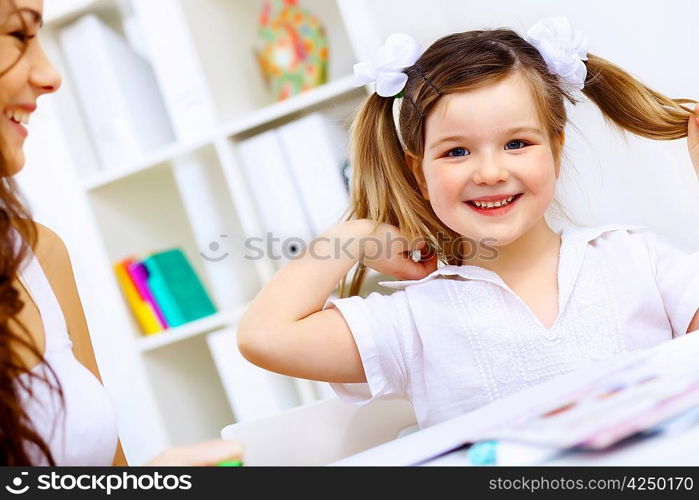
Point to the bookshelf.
(186, 383)
(255, 120)
(191, 329)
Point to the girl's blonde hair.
(383, 187)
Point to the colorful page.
(646, 389)
(139, 275)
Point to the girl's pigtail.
(630, 105)
(383, 189)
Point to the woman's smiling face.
(487, 145)
(26, 75)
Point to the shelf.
(158, 157)
(292, 105)
(189, 330)
(246, 124)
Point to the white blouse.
(84, 432)
(460, 338)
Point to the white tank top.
(84, 431)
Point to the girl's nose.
(490, 172)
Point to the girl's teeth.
(492, 204)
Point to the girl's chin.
(495, 238)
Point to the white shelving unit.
(176, 386)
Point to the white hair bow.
(398, 52)
(563, 48)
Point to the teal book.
(177, 288)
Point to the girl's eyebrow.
(513, 130)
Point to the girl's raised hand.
(693, 139)
(387, 251)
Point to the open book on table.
(637, 393)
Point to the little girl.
(496, 301)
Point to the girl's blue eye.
(455, 149)
(517, 140)
(459, 149)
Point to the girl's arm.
(284, 329)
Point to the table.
(433, 445)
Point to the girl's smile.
(494, 205)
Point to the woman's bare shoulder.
(52, 254)
(48, 247)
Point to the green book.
(177, 288)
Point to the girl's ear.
(416, 167)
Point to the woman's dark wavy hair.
(384, 188)
(17, 433)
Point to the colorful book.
(139, 276)
(143, 311)
(177, 288)
(634, 393)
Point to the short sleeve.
(384, 334)
(677, 277)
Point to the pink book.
(139, 275)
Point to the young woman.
(53, 408)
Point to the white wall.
(643, 182)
